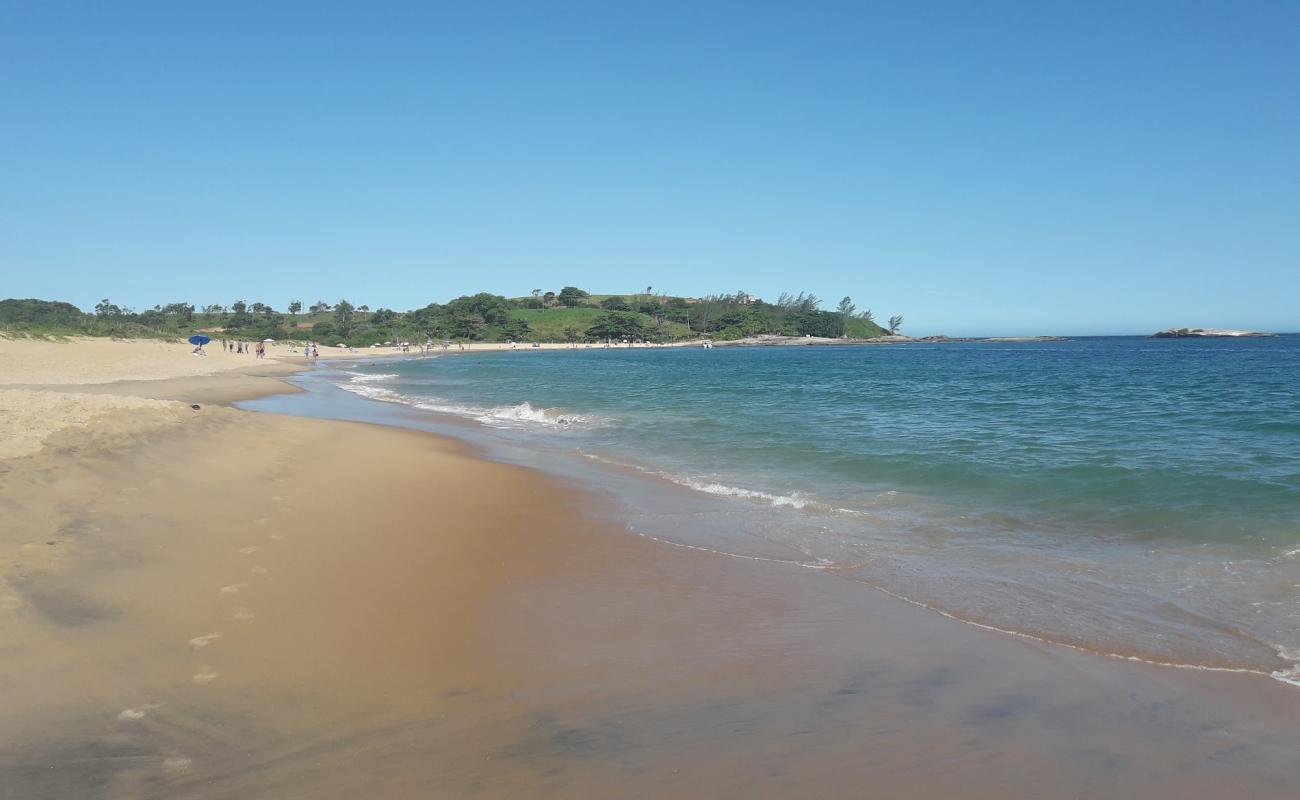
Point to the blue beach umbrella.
(199, 339)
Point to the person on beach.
(315, 351)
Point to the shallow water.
(1133, 497)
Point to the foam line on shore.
(796, 500)
(820, 565)
(523, 414)
(1289, 675)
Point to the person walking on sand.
(315, 351)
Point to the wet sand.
(240, 605)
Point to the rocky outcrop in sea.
(1184, 333)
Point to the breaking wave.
(524, 415)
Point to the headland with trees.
(569, 315)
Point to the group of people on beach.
(243, 348)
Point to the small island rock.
(1183, 333)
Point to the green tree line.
(570, 314)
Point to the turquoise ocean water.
(1130, 496)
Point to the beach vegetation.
(846, 309)
(570, 315)
(571, 296)
(617, 326)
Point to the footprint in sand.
(279, 536)
(132, 714)
(200, 642)
(258, 569)
(205, 677)
(248, 551)
(279, 497)
(284, 510)
(242, 614)
(177, 763)
(261, 520)
(233, 588)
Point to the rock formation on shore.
(1181, 333)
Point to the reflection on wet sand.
(256, 606)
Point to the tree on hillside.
(182, 311)
(492, 308)
(516, 330)
(295, 307)
(845, 309)
(572, 333)
(549, 299)
(895, 322)
(344, 313)
(239, 315)
(572, 296)
(215, 308)
(260, 308)
(617, 325)
(804, 302)
(615, 303)
(106, 309)
(319, 307)
(867, 316)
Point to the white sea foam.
(820, 563)
(527, 416)
(524, 415)
(1289, 674)
(796, 500)
(793, 500)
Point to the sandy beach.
(217, 603)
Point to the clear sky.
(979, 167)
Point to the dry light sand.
(222, 604)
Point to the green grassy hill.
(559, 324)
(571, 315)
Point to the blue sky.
(980, 168)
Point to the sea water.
(1134, 497)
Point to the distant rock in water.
(1000, 339)
(1183, 333)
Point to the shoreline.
(1254, 655)
(513, 624)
